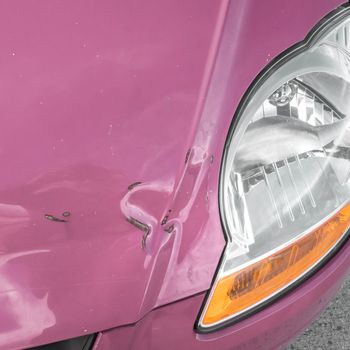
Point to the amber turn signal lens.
(251, 285)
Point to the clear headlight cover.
(285, 182)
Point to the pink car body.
(114, 119)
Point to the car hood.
(98, 101)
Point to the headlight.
(285, 180)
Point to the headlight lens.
(285, 182)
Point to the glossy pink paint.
(95, 96)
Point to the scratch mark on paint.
(141, 226)
(133, 185)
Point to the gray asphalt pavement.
(331, 331)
